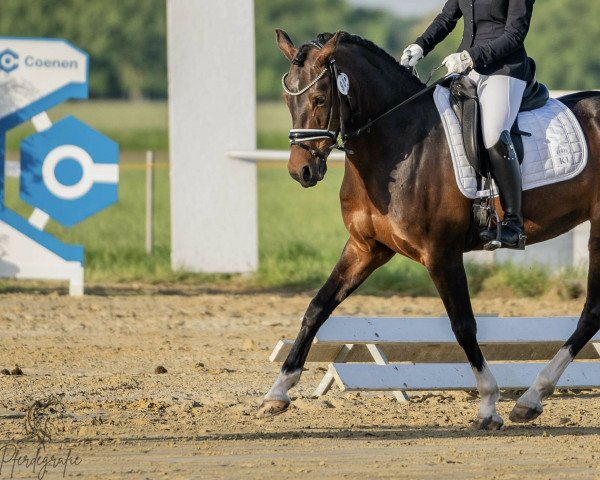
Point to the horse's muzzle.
(309, 175)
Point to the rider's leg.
(500, 98)
(505, 169)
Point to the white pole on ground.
(149, 201)
(212, 111)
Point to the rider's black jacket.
(494, 34)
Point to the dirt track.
(196, 421)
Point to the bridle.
(299, 136)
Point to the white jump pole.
(212, 110)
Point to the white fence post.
(212, 110)
(149, 201)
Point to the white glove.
(411, 55)
(458, 62)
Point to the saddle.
(465, 103)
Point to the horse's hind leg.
(357, 262)
(448, 274)
(529, 405)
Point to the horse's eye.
(320, 100)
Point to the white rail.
(273, 155)
(405, 341)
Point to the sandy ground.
(121, 420)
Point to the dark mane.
(346, 37)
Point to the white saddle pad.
(555, 152)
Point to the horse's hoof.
(493, 422)
(524, 413)
(269, 408)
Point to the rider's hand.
(458, 62)
(411, 55)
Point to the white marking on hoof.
(279, 390)
(529, 405)
(488, 392)
(270, 408)
(525, 413)
(493, 422)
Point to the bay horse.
(399, 195)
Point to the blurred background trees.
(304, 20)
(126, 38)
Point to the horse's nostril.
(306, 174)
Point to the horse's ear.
(327, 51)
(286, 45)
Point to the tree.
(304, 21)
(125, 39)
(562, 40)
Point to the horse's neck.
(392, 145)
(380, 85)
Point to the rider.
(492, 51)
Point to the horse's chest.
(368, 224)
(375, 210)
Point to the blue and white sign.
(68, 171)
(38, 74)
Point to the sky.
(403, 7)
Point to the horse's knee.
(309, 321)
(318, 311)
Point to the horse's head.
(309, 92)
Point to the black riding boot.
(505, 170)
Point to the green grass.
(133, 125)
(143, 125)
(301, 233)
(273, 121)
(114, 239)
(273, 117)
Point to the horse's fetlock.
(546, 390)
(491, 390)
(544, 382)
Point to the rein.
(298, 136)
(360, 130)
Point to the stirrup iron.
(496, 243)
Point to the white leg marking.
(488, 392)
(544, 383)
(285, 381)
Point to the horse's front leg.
(359, 259)
(448, 274)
